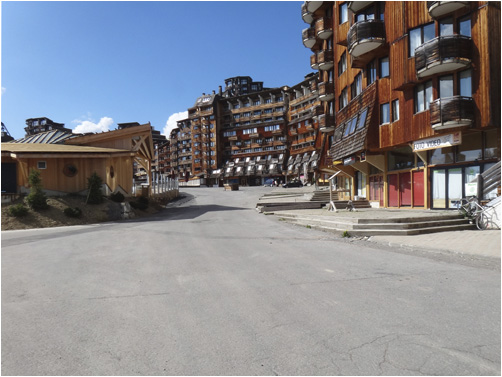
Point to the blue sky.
(92, 65)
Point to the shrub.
(94, 195)
(141, 203)
(117, 197)
(36, 199)
(18, 210)
(72, 212)
(346, 234)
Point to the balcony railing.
(306, 15)
(452, 112)
(326, 123)
(443, 54)
(440, 8)
(325, 59)
(309, 37)
(356, 6)
(365, 36)
(326, 91)
(324, 27)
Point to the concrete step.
(381, 227)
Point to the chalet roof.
(85, 139)
(55, 148)
(49, 137)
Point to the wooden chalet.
(412, 92)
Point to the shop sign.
(441, 141)
(349, 160)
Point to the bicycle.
(477, 214)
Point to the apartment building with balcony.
(254, 136)
(414, 94)
(306, 119)
(43, 124)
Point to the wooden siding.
(54, 179)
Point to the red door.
(405, 189)
(393, 182)
(418, 188)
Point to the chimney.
(214, 92)
(219, 90)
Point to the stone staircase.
(380, 226)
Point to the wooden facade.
(65, 168)
(424, 78)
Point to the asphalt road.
(211, 287)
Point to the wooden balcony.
(365, 36)
(325, 59)
(313, 62)
(307, 16)
(313, 86)
(443, 54)
(356, 6)
(452, 112)
(439, 9)
(309, 37)
(326, 91)
(326, 123)
(324, 27)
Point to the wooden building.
(65, 168)
(414, 89)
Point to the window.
(395, 110)
(446, 86)
(384, 113)
(343, 100)
(256, 103)
(357, 86)
(351, 126)
(446, 26)
(371, 13)
(339, 132)
(229, 133)
(41, 165)
(272, 128)
(344, 13)
(384, 67)
(342, 64)
(421, 35)
(362, 119)
(371, 73)
(465, 83)
(268, 100)
(254, 87)
(464, 26)
(423, 96)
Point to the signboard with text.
(440, 141)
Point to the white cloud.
(4, 90)
(90, 126)
(171, 122)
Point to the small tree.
(94, 182)
(36, 199)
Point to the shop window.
(492, 139)
(470, 149)
(401, 158)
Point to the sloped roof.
(49, 137)
(55, 148)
